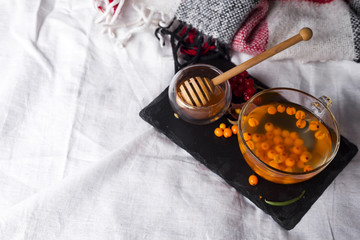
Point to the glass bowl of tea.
(286, 135)
(190, 112)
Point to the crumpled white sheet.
(77, 162)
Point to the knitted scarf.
(206, 28)
(203, 29)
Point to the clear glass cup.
(274, 168)
(193, 114)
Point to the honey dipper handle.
(304, 35)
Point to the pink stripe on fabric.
(253, 36)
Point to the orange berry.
(235, 129)
(320, 135)
(288, 141)
(257, 137)
(307, 168)
(253, 122)
(259, 153)
(298, 142)
(278, 158)
(222, 126)
(294, 135)
(278, 140)
(289, 162)
(289, 169)
(269, 126)
(250, 144)
(271, 110)
(253, 180)
(297, 150)
(300, 123)
(269, 135)
(277, 131)
(285, 133)
(299, 114)
(300, 164)
(305, 156)
(265, 146)
(290, 110)
(227, 132)
(247, 136)
(314, 126)
(271, 154)
(279, 148)
(219, 132)
(280, 108)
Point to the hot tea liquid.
(287, 137)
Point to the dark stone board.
(223, 157)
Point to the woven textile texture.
(218, 19)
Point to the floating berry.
(281, 108)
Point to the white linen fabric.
(77, 161)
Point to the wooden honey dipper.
(198, 91)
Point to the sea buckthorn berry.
(289, 162)
(278, 159)
(305, 156)
(235, 129)
(253, 122)
(269, 126)
(279, 148)
(271, 154)
(237, 110)
(298, 142)
(320, 135)
(294, 135)
(257, 137)
(290, 110)
(300, 164)
(300, 123)
(219, 132)
(269, 135)
(250, 144)
(314, 126)
(271, 110)
(297, 150)
(285, 133)
(253, 180)
(265, 146)
(299, 114)
(222, 126)
(247, 136)
(307, 168)
(289, 169)
(288, 141)
(277, 140)
(277, 131)
(227, 132)
(284, 155)
(259, 153)
(280, 108)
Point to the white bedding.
(77, 161)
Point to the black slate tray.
(223, 157)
